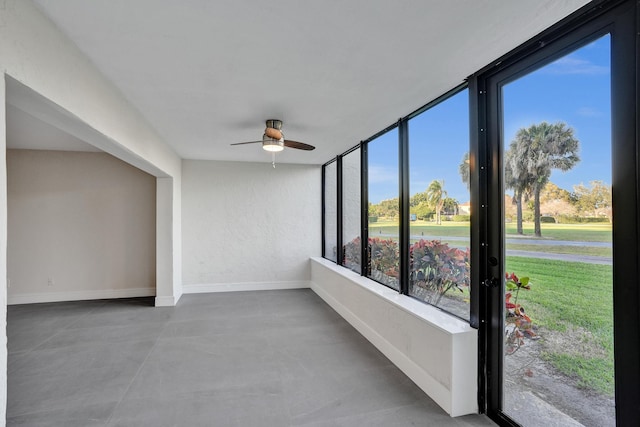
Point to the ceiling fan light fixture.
(272, 145)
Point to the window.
(439, 208)
(384, 209)
(351, 211)
(330, 184)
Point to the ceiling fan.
(273, 140)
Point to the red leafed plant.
(518, 324)
(438, 268)
(384, 256)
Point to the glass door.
(558, 350)
(555, 175)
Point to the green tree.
(423, 210)
(436, 195)
(556, 202)
(463, 170)
(388, 208)
(552, 192)
(374, 210)
(594, 200)
(450, 206)
(418, 198)
(537, 150)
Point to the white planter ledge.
(436, 350)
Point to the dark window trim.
(380, 133)
(341, 186)
(403, 198)
(365, 177)
(365, 256)
(350, 150)
(324, 208)
(439, 100)
(339, 242)
(620, 18)
(473, 308)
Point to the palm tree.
(536, 151)
(516, 178)
(435, 196)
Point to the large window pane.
(351, 212)
(384, 209)
(558, 308)
(439, 205)
(330, 212)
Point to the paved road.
(590, 259)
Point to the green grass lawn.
(569, 297)
(599, 232)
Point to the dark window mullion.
(339, 246)
(403, 159)
(324, 203)
(364, 210)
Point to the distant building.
(464, 208)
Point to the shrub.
(352, 257)
(575, 219)
(435, 267)
(438, 268)
(384, 261)
(373, 219)
(462, 218)
(547, 219)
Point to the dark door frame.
(620, 19)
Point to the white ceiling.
(208, 73)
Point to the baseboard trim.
(79, 295)
(167, 301)
(243, 286)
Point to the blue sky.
(574, 89)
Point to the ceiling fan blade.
(299, 145)
(242, 143)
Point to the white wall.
(84, 220)
(36, 54)
(249, 226)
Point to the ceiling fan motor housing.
(274, 133)
(275, 124)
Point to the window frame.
(323, 220)
(620, 17)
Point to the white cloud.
(379, 174)
(572, 65)
(589, 112)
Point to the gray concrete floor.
(273, 358)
